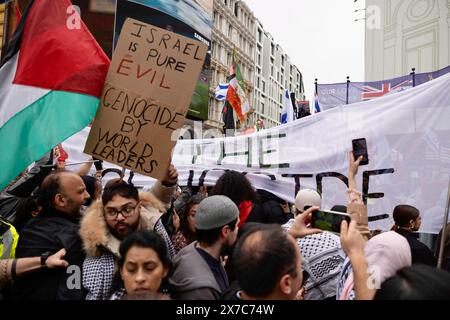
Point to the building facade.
(267, 71)
(401, 35)
(234, 28)
(274, 73)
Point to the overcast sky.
(321, 36)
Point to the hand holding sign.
(146, 97)
(171, 178)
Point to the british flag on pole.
(382, 88)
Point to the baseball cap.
(307, 198)
(215, 212)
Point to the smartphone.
(328, 220)
(360, 149)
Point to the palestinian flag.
(50, 83)
(236, 95)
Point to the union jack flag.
(370, 92)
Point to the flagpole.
(316, 90)
(443, 234)
(5, 37)
(348, 86)
(413, 74)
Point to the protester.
(17, 194)
(407, 222)
(268, 265)
(322, 253)
(267, 261)
(106, 223)
(8, 239)
(186, 232)
(61, 197)
(418, 282)
(143, 265)
(13, 268)
(236, 186)
(385, 254)
(198, 272)
(93, 187)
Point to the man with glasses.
(61, 196)
(106, 223)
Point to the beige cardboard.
(146, 96)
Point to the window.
(259, 35)
(230, 31)
(236, 9)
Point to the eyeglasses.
(126, 211)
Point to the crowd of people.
(65, 236)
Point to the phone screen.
(360, 149)
(328, 220)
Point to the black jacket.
(50, 232)
(267, 209)
(420, 253)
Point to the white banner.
(408, 138)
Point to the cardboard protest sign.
(147, 94)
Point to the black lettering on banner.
(130, 178)
(338, 175)
(201, 180)
(262, 165)
(297, 180)
(366, 178)
(270, 175)
(190, 178)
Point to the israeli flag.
(287, 113)
(221, 92)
